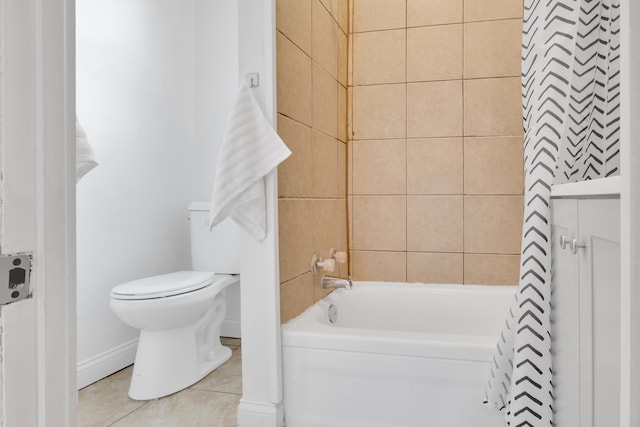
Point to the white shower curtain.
(570, 91)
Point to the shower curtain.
(571, 109)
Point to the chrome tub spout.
(329, 282)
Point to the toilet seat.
(163, 286)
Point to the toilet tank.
(217, 250)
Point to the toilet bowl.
(179, 316)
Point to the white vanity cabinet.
(585, 321)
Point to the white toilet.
(179, 314)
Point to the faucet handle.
(317, 263)
(329, 265)
(341, 257)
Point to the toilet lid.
(163, 286)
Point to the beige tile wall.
(435, 146)
(428, 100)
(312, 67)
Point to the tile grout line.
(406, 144)
(213, 391)
(439, 24)
(463, 142)
(129, 413)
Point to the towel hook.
(253, 79)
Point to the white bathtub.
(398, 355)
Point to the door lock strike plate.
(15, 277)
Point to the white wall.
(155, 83)
(216, 83)
(135, 92)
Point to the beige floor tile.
(226, 378)
(106, 401)
(194, 408)
(212, 402)
(230, 342)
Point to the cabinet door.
(599, 260)
(585, 321)
(565, 315)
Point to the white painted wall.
(155, 83)
(216, 83)
(135, 91)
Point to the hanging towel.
(250, 150)
(85, 157)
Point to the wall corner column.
(262, 400)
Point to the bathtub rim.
(306, 331)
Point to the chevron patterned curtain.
(570, 91)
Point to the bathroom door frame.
(262, 390)
(37, 214)
(629, 215)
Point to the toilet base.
(168, 361)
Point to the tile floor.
(212, 402)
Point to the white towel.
(85, 157)
(250, 150)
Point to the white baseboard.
(230, 328)
(260, 414)
(105, 364)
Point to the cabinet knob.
(563, 241)
(574, 246)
